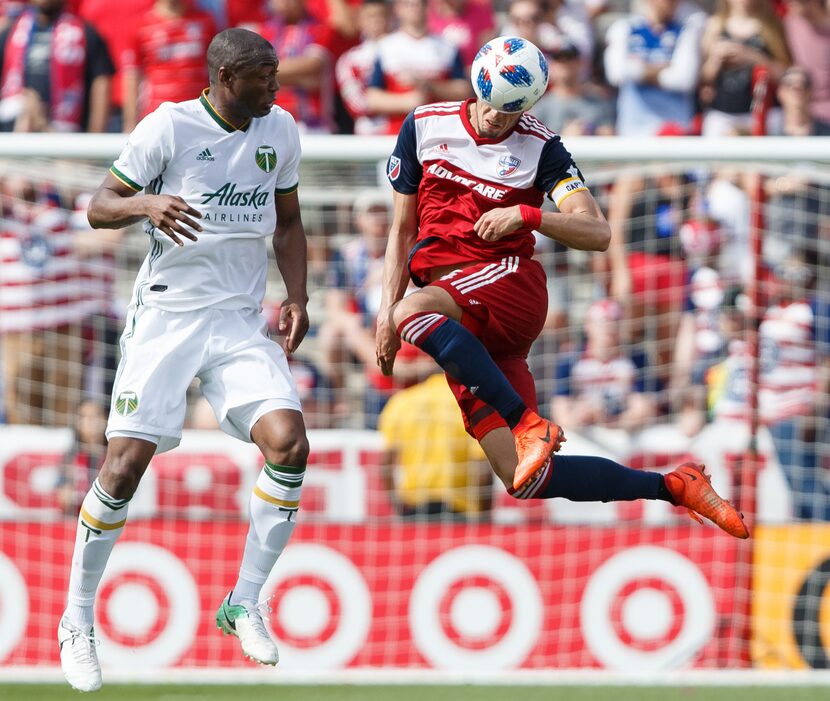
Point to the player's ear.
(225, 76)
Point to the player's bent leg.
(691, 487)
(281, 437)
(100, 522)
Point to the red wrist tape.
(531, 216)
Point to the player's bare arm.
(402, 237)
(115, 205)
(579, 223)
(291, 250)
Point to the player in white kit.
(217, 176)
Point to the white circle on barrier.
(355, 605)
(14, 606)
(647, 614)
(304, 610)
(475, 612)
(466, 561)
(179, 630)
(140, 601)
(647, 562)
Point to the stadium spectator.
(794, 380)
(196, 312)
(306, 70)
(553, 24)
(648, 272)
(352, 301)
(116, 23)
(164, 61)
(234, 13)
(432, 468)
(740, 39)
(700, 342)
(85, 457)
(481, 305)
(55, 72)
(466, 24)
(354, 68)
(602, 386)
(573, 107)
(654, 59)
(94, 252)
(43, 300)
(414, 67)
(796, 116)
(807, 27)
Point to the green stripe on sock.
(283, 480)
(285, 469)
(107, 500)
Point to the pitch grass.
(116, 692)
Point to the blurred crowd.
(654, 332)
(623, 67)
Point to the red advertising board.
(392, 595)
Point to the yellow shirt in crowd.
(436, 460)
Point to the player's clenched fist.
(293, 323)
(170, 214)
(387, 345)
(496, 223)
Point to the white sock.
(100, 522)
(273, 515)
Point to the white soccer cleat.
(79, 658)
(245, 622)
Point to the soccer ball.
(510, 74)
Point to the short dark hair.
(236, 49)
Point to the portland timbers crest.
(126, 403)
(266, 158)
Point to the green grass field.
(116, 692)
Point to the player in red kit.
(468, 182)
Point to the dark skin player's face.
(254, 89)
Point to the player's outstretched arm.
(291, 250)
(402, 237)
(114, 205)
(579, 223)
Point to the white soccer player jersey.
(231, 177)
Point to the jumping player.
(219, 174)
(468, 181)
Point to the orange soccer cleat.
(536, 440)
(691, 487)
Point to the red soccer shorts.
(504, 305)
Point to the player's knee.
(284, 448)
(121, 473)
(412, 304)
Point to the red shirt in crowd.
(170, 54)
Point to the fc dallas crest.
(507, 164)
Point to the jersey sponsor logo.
(126, 403)
(205, 155)
(266, 158)
(227, 196)
(488, 191)
(394, 168)
(573, 171)
(507, 164)
(443, 148)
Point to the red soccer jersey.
(170, 53)
(458, 176)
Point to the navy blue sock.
(465, 359)
(589, 478)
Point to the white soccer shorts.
(244, 373)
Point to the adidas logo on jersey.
(205, 155)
